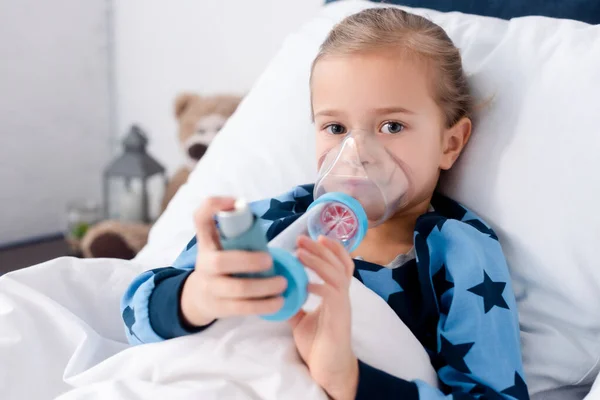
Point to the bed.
(530, 170)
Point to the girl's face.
(388, 96)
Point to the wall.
(54, 111)
(55, 80)
(208, 46)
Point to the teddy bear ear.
(182, 102)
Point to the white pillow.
(530, 169)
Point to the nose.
(362, 156)
(363, 144)
(196, 151)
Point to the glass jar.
(81, 215)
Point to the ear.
(453, 142)
(182, 102)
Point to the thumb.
(206, 232)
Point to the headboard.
(581, 10)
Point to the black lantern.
(130, 181)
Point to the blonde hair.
(383, 28)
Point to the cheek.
(320, 150)
(421, 155)
(323, 144)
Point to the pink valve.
(339, 222)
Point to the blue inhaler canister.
(334, 215)
(239, 230)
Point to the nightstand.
(25, 255)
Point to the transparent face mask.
(360, 166)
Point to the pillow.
(580, 10)
(529, 170)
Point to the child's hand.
(210, 292)
(323, 337)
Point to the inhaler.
(336, 215)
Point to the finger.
(320, 267)
(232, 307)
(319, 250)
(328, 294)
(233, 262)
(318, 289)
(295, 320)
(206, 231)
(340, 252)
(333, 258)
(247, 288)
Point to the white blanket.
(61, 335)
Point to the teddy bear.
(199, 119)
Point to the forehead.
(379, 78)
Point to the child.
(397, 79)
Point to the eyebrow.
(328, 113)
(393, 110)
(382, 110)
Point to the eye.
(335, 129)
(392, 127)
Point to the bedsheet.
(61, 336)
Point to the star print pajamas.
(455, 296)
